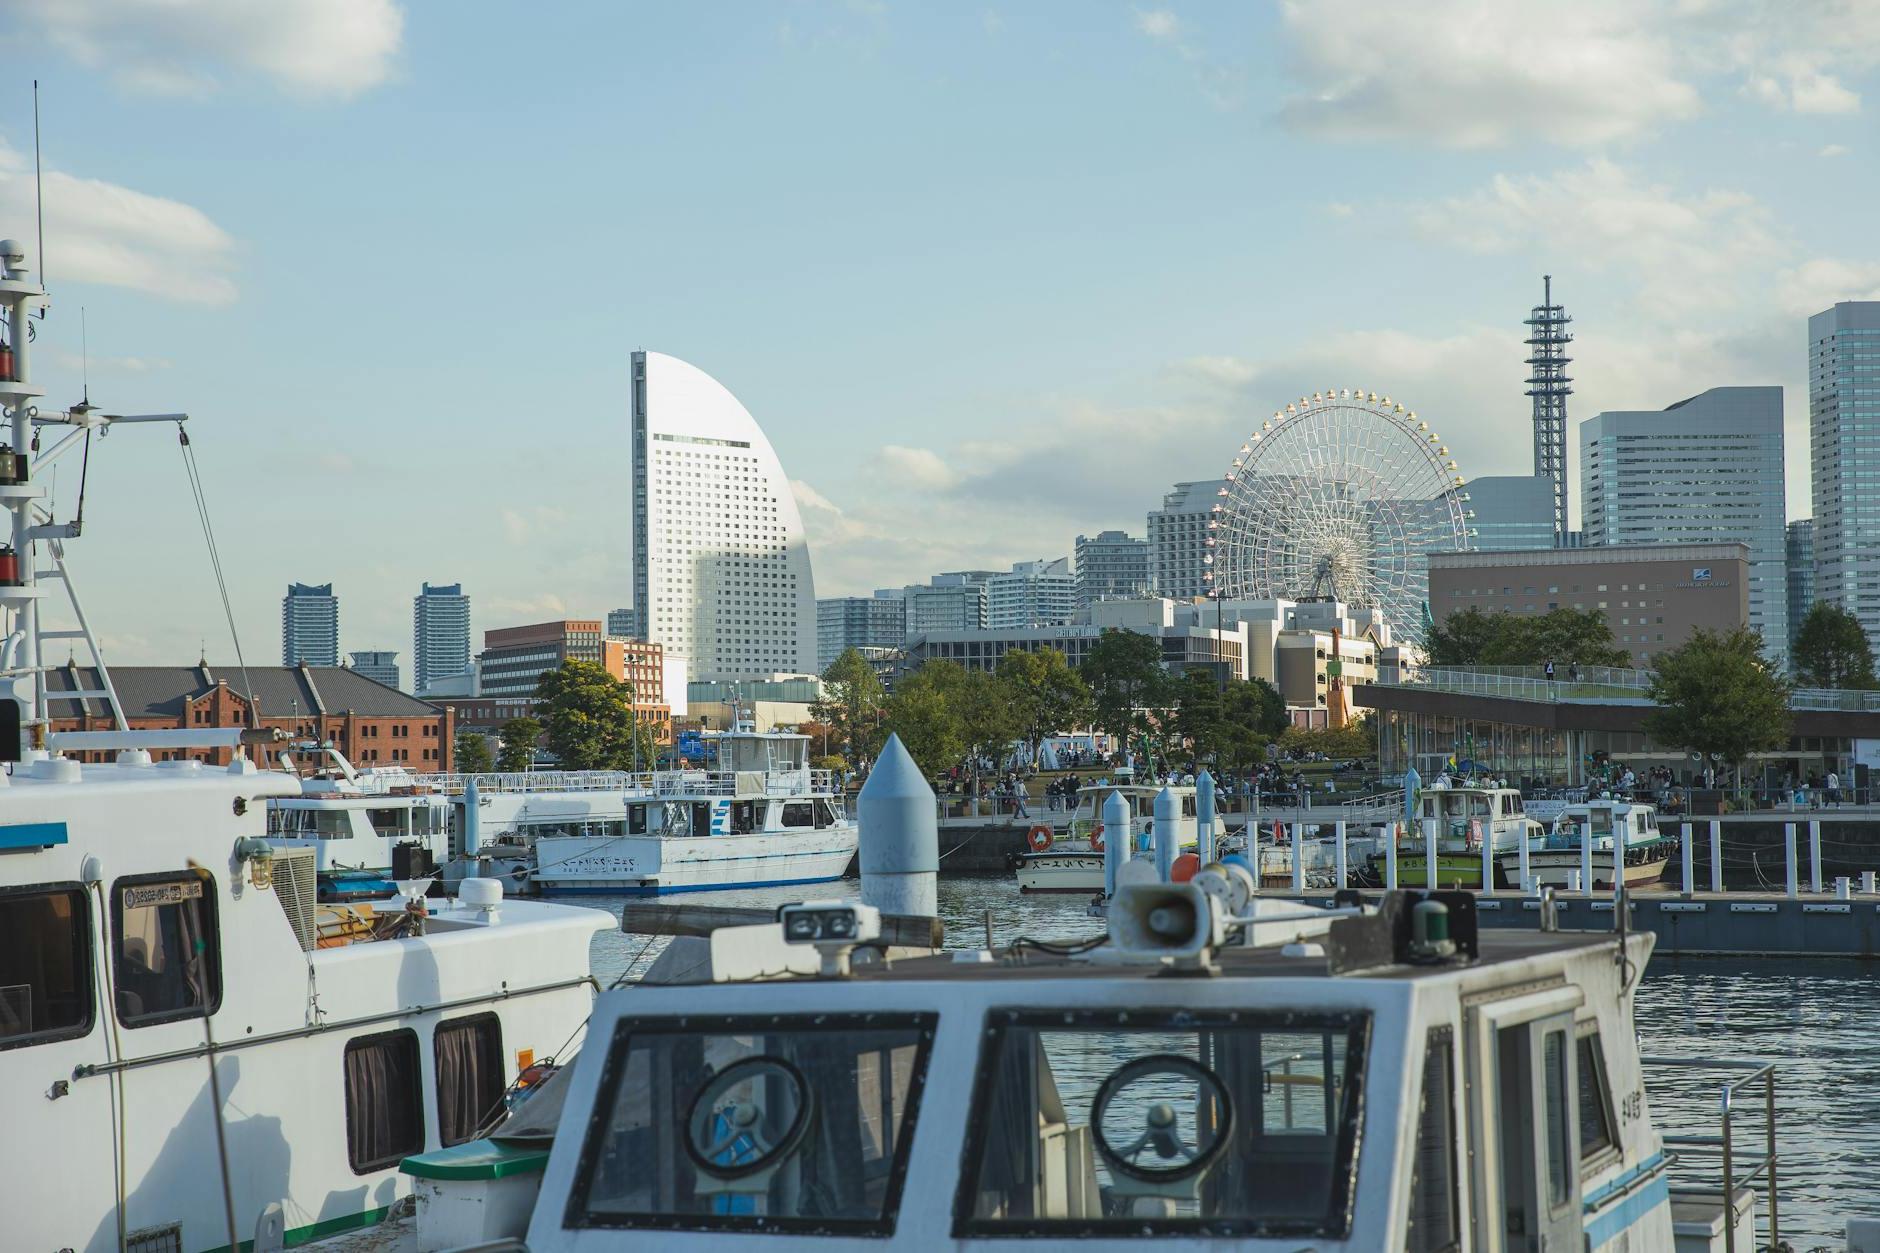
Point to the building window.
(384, 1105)
(470, 1082)
(45, 965)
(167, 963)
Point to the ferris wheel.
(1340, 495)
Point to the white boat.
(1071, 860)
(1385, 1078)
(1555, 859)
(761, 817)
(1462, 815)
(361, 825)
(194, 1054)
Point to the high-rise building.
(514, 659)
(1110, 563)
(955, 601)
(1844, 446)
(310, 625)
(845, 622)
(1512, 511)
(1548, 384)
(1801, 572)
(1178, 540)
(721, 571)
(380, 667)
(440, 634)
(1705, 470)
(623, 624)
(1032, 594)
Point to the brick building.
(372, 724)
(514, 659)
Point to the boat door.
(1522, 1110)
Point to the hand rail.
(1761, 1165)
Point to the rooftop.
(279, 691)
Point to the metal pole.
(1527, 871)
(1814, 855)
(1618, 858)
(1204, 818)
(1166, 833)
(1339, 828)
(1429, 849)
(1729, 1180)
(1716, 855)
(1791, 878)
(1769, 1115)
(1586, 857)
(1690, 861)
(1299, 857)
(1488, 860)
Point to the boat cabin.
(1464, 814)
(1601, 820)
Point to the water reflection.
(1819, 1019)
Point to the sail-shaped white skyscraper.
(721, 571)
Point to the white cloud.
(1815, 284)
(1222, 82)
(1158, 23)
(916, 467)
(99, 232)
(1833, 150)
(308, 47)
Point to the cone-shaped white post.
(1115, 841)
(1204, 817)
(472, 819)
(900, 836)
(1168, 832)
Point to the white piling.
(899, 836)
(1527, 871)
(1204, 817)
(1814, 855)
(1488, 860)
(1690, 859)
(472, 817)
(1338, 829)
(1867, 881)
(1791, 877)
(1167, 833)
(1586, 857)
(1429, 850)
(1115, 841)
(1618, 861)
(1843, 888)
(1390, 857)
(1573, 880)
(1299, 857)
(1716, 855)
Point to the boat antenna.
(39, 195)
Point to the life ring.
(1039, 837)
(1096, 838)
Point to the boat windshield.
(1140, 1124)
(782, 1123)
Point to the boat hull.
(650, 865)
(1066, 872)
(1555, 867)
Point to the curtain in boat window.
(470, 1083)
(384, 1103)
(166, 962)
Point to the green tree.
(924, 712)
(1830, 649)
(1462, 638)
(1129, 688)
(854, 705)
(1044, 694)
(1716, 694)
(1562, 636)
(1200, 712)
(589, 717)
(518, 736)
(1253, 715)
(473, 753)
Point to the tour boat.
(1071, 861)
(364, 827)
(1463, 816)
(1219, 1070)
(761, 817)
(1556, 858)
(194, 1053)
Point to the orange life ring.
(1039, 837)
(1096, 838)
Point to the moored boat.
(1556, 858)
(1071, 860)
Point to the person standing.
(1548, 670)
(1834, 788)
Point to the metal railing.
(1736, 1169)
(1597, 683)
(542, 781)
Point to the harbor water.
(1816, 1019)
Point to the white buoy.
(899, 836)
(1168, 832)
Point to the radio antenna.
(39, 194)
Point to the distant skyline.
(987, 277)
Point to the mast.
(21, 675)
(1548, 384)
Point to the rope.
(215, 563)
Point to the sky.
(989, 276)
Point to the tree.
(1462, 638)
(854, 706)
(923, 713)
(988, 722)
(473, 753)
(589, 717)
(1830, 649)
(1129, 688)
(1199, 714)
(1253, 715)
(518, 736)
(1562, 636)
(1717, 695)
(1044, 694)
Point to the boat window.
(799, 814)
(1455, 805)
(636, 820)
(1479, 807)
(45, 965)
(1601, 820)
(1515, 802)
(470, 1083)
(1559, 1154)
(1435, 1210)
(1152, 1123)
(384, 1103)
(167, 963)
(1595, 1106)
(389, 822)
(788, 1123)
(1188, 806)
(826, 814)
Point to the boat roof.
(243, 777)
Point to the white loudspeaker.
(1158, 920)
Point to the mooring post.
(1527, 871)
(1429, 849)
(1814, 855)
(1204, 818)
(1390, 856)
(899, 836)
(1618, 860)
(1716, 855)
(1791, 872)
(1115, 841)
(1690, 859)
(1488, 861)
(1299, 857)
(1168, 833)
(1338, 829)
(1586, 857)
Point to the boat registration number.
(149, 895)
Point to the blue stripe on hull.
(662, 890)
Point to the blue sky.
(989, 275)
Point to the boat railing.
(791, 782)
(1741, 1162)
(544, 781)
